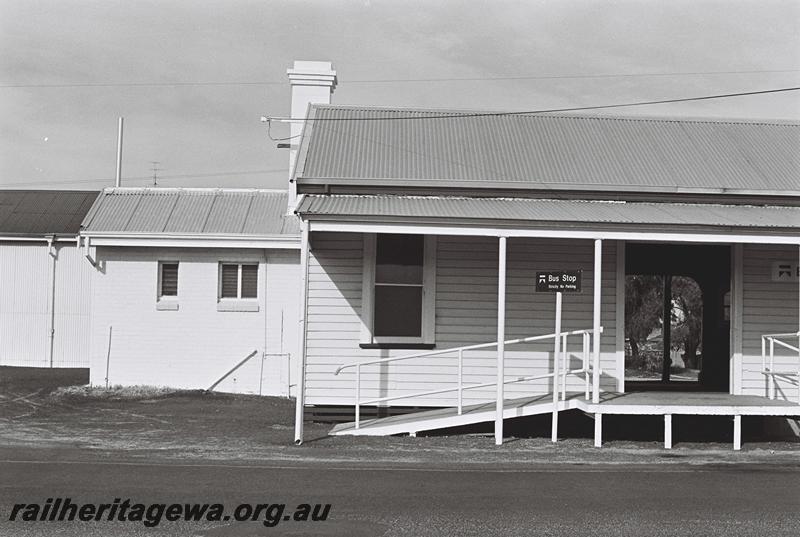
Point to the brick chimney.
(312, 83)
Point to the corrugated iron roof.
(219, 211)
(431, 147)
(457, 209)
(44, 212)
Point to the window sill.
(167, 305)
(237, 305)
(419, 346)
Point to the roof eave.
(55, 237)
(179, 240)
(722, 234)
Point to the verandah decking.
(665, 404)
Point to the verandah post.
(301, 378)
(598, 260)
(501, 340)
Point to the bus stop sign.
(554, 281)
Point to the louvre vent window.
(238, 280)
(230, 281)
(249, 281)
(169, 280)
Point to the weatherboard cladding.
(190, 211)
(539, 210)
(547, 150)
(43, 212)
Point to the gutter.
(37, 238)
(192, 240)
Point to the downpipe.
(52, 251)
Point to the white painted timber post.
(737, 433)
(358, 396)
(598, 430)
(301, 377)
(556, 356)
(598, 271)
(667, 431)
(501, 340)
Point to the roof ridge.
(545, 199)
(564, 115)
(209, 190)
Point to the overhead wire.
(462, 115)
(400, 80)
(144, 177)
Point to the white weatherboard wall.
(25, 302)
(195, 345)
(466, 313)
(768, 308)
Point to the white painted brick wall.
(195, 345)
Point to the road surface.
(366, 500)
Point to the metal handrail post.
(460, 380)
(764, 361)
(358, 395)
(565, 368)
(586, 365)
(771, 368)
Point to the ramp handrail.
(768, 360)
(586, 369)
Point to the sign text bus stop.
(554, 281)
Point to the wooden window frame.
(428, 337)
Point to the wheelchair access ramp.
(443, 418)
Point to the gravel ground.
(193, 425)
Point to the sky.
(192, 78)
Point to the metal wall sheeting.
(551, 210)
(550, 150)
(25, 299)
(190, 211)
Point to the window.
(167, 285)
(238, 280)
(399, 275)
(238, 287)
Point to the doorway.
(677, 328)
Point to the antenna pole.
(119, 154)
(156, 169)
